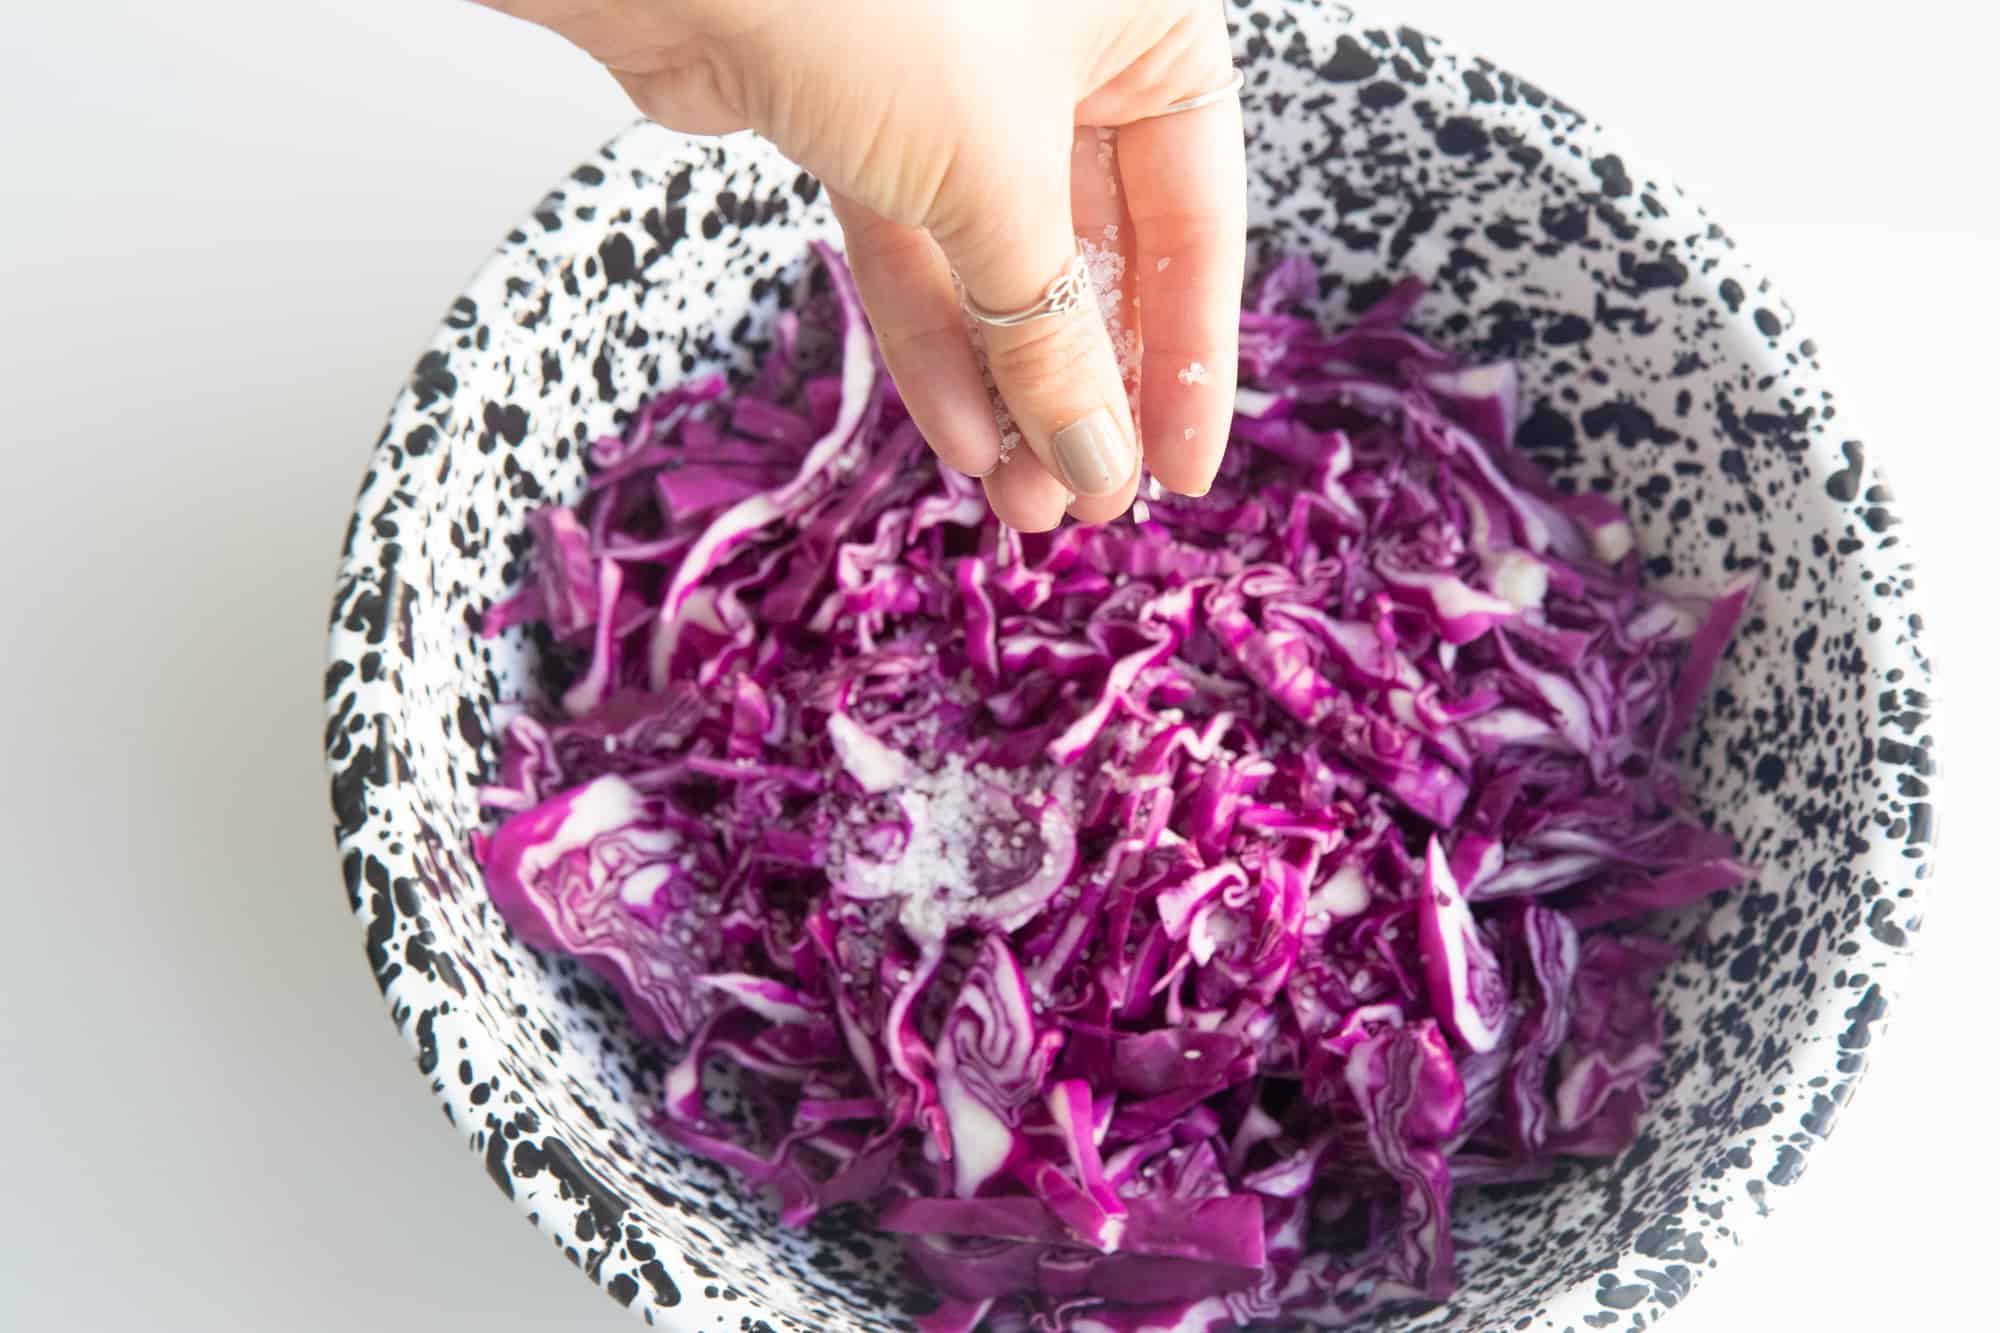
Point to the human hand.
(962, 138)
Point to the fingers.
(1103, 232)
(1058, 374)
(1185, 189)
(914, 309)
(1025, 495)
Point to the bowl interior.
(1656, 367)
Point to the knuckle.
(1184, 227)
(1048, 353)
(897, 340)
(876, 243)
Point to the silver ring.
(1068, 292)
(1230, 89)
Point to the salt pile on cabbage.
(1153, 923)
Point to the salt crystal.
(1105, 266)
(1003, 420)
(1194, 374)
(1161, 267)
(1187, 434)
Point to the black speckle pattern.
(1659, 368)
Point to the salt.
(933, 876)
(1195, 373)
(1105, 264)
(1003, 419)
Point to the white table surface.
(225, 231)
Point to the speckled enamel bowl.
(1655, 359)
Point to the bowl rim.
(1816, 1054)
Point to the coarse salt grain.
(933, 878)
(1188, 434)
(1104, 265)
(1003, 420)
(1161, 267)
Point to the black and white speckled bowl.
(1657, 364)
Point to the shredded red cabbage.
(1153, 922)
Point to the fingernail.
(1093, 453)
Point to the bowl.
(1656, 361)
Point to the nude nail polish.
(1093, 453)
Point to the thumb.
(1056, 372)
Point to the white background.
(226, 229)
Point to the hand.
(960, 137)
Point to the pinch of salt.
(1195, 373)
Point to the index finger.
(1185, 186)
